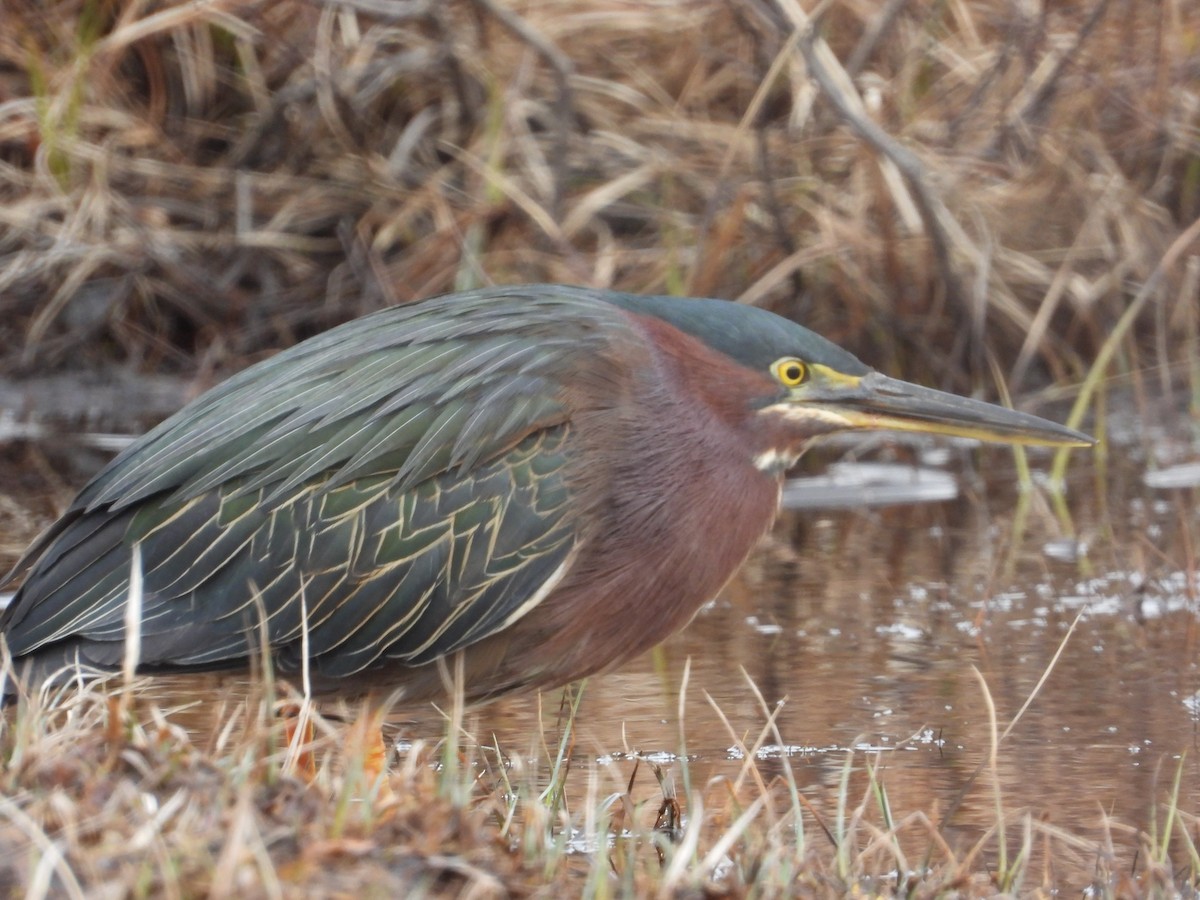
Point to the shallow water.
(880, 631)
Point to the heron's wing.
(353, 575)
(412, 391)
(409, 391)
(393, 487)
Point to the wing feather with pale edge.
(401, 479)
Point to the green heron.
(549, 480)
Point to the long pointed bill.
(878, 402)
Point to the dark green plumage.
(753, 337)
(403, 472)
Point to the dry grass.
(191, 185)
(100, 800)
(100, 803)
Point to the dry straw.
(222, 178)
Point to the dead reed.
(101, 800)
(187, 186)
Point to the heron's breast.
(670, 506)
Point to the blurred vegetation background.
(932, 183)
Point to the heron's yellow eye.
(790, 372)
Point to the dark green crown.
(751, 336)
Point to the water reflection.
(858, 485)
(1178, 476)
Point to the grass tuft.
(143, 805)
